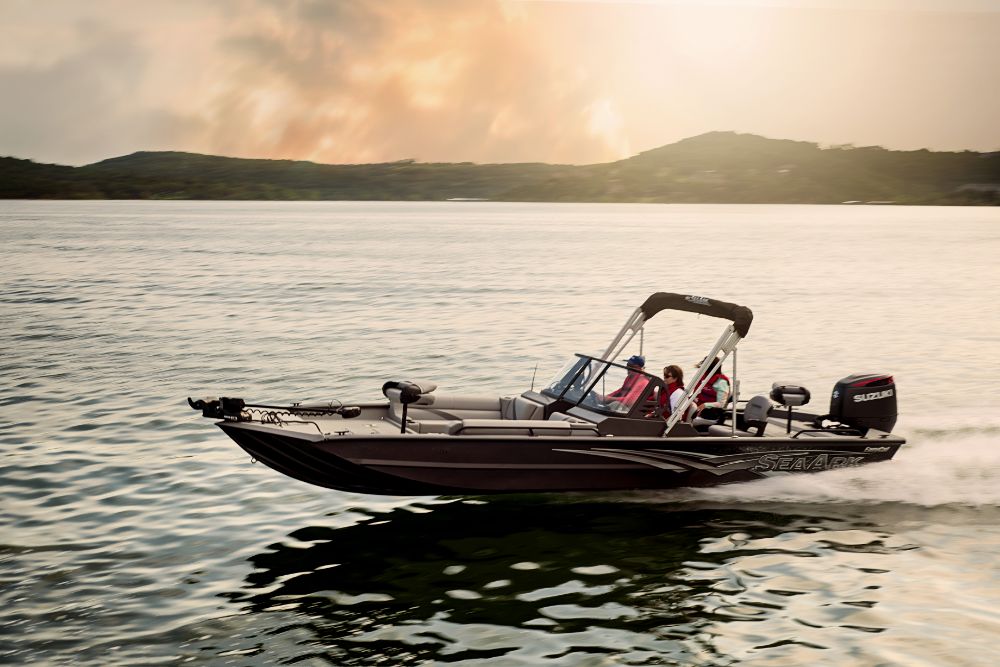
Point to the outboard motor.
(865, 401)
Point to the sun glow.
(606, 122)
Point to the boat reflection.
(522, 577)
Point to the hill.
(718, 167)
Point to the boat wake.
(959, 466)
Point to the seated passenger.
(668, 400)
(715, 391)
(632, 388)
(635, 364)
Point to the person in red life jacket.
(634, 384)
(673, 377)
(715, 391)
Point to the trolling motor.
(236, 409)
(230, 409)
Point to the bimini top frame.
(740, 318)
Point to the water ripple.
(134, 532)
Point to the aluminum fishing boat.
(572, 435)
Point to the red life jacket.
(627, 385)
(708, 393)
(664, 399)
(635, 391)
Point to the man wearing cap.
(635, 364)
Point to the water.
(134, 532)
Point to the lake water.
(132, 531)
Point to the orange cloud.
(488, 80)
(442, 81)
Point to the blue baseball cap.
(637, 360)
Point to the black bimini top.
(740, 316)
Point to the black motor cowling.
(864, 401)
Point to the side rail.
(528, 427)
(829, 431)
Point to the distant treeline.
(719, 167)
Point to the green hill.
(718, 167)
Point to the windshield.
(619, 390)
(575, 376)
(602, 386)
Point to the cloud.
(82, 106)
(443, 81)
(487, 80)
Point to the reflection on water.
(523, 580)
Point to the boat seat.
(456, 407)
(456, 402)
(562, 416)
(755, 418)
(426, 406)
(579, 426)
(520, 407)
(402, 394)
(434, 425)
(755, 414)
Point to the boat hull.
(478, 465)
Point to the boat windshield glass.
(618, 390)
(574, 378)
(600, 385)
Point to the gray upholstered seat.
(755, 414)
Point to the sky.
(558, 81)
